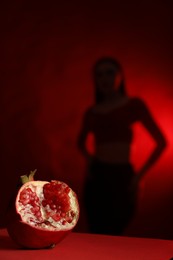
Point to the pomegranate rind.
(28, 236)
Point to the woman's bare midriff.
(114, 152)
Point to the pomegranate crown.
(27, 178)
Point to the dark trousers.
(109, 204)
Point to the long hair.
(99, 97)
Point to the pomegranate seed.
(53, 206)
(33, 203)
(56, 217)
(37, 199)
(67, 190)
(24, 196)
(66, 207)
(37, 208)
(46, 194)
(29, 190)
(47, 186)
(25, 202)
(60, 195)
(32, 210)
(59, 186)
(59, 192)
(44, 203)
(59, 212)
(38, 214)
(63, 215)
(49, 202)
(64, 222)
(69, 220)
(48, 214)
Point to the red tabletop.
(86, 246)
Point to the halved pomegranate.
(45, 212)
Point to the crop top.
(115, 125)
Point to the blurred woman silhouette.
(111, 185)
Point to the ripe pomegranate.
(44, 213)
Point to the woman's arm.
(145, 117)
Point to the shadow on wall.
(112, 185)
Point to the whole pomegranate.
(44, 213)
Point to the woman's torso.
(111, 126)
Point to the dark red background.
(47, 51)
